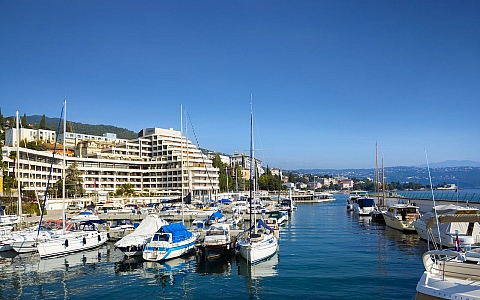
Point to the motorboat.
(352, 197)
(216, 217)
(83, 235)
(85, 216)
(217, 241)
(170, 241)
(463, 225)
(450, 274)
(364, 206)
(287, 205)
(119, 228)
(235, 220)
(401, 216)
(134, 243)
(258, 243)
(281, 216)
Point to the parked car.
(74, 207)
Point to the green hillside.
(53, 124)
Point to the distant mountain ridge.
(462, 176)
(454, 163)
(52, 123)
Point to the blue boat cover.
(216, 215)
(225, 201)
(178, 231)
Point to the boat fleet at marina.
(452, 231)
(154, 238)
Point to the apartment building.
(28, 135)
(160, 162)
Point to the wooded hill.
(53, 124)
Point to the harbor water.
(324, 252)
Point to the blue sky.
(329, 79)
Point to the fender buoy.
(66, 243)
(99, 238)
(84, 240)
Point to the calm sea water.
(324, 253)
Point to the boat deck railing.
(439, 195)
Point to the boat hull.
(71, 243)
(394, 222)
(161, 250)
(449, 279)
(255, 252)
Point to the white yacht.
(84, 235)
(450, 275)
(467, 231)
(217, 241)
(364, 206)
(401, 216)
(354, 195)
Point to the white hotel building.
(160, 162)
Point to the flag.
(457, 244)
(95, 184)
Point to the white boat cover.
(151, 224)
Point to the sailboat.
(83, 235)
(7, 221)
(172, 240)
(258, 243)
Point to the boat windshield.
(161, 237)
(366, 202)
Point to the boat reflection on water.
(71, 262)
(129, 264)
(406, 242)
(220, 265)
(6, 259)
(170, 268)
(256, 273)
(267, 268)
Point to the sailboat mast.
(251, 161)
(383, 183)
(19, 207)
(181, 159)
(377, 179)
(64, 160)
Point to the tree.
(291, 177)
(13, 156)
(43, 123)
(24, 121)
(125, 190)
(36, 145)
(69, 127)
(2, 120)
(9, 183)
(73, 181)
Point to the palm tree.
(13, 156)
